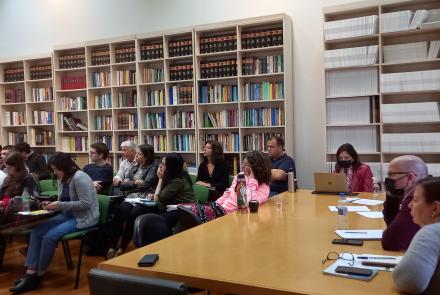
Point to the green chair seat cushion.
(49, 193)
(77, 234)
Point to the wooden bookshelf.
(159, 65)
(367, 8)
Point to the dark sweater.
(149, 176)
(176, 191)
(400, 226)
(102, 173)
(219, 180)
(37, 165)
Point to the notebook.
(362, 234)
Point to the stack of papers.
(434, 48)
(353, 27)
(410, 142)
(355, 82)
(364, 138)
(362, 234)
(395, 21)
(349, 111)
(348, 57)
(405, 52)
(419, 17)
(140, 201)
(410, 112)
(411, 81)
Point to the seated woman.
(359, 175)
(213, 171)
(79, 209)
(419, 270)
(141, 181)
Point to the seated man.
(35, 163)
(128, 149)
(5, 152)
(403, 174)
(99, 171)
(281, 164)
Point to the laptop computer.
(330, 183)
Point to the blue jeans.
(44, 240)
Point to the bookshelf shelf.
(179, 81)
(13, 104)
(261, 127)
(352, 125)
(152, 84)
(40, 125)
(374, 37)
(433, 91)
(218, 79)
(71, 90)
(409, 33)
(71, 69)
(219, 128)
(39, 80)
(262, 75)
(42, 146)
(262, 101)
(352, 96)
(100, 88)
(179, 57)
(414, 62)
(12, 83)
(219, 103)
(153, 107)
(124, 86)
(352, 67)
(41, 102)
(151, 61)
(215, 54)
(262, 49)
(117, 64)
(72, 111)
(180, 105)
(72, 132)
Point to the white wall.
(34, 26)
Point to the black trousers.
(122, 226)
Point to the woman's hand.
(138, 182)
(160, 171)
(52, 206)
(203, 183)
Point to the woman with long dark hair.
(141, 181)
(359, 175)
(79, 209)
(213, 171)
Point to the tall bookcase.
(27, 102)
(230, 81)
(379, 155)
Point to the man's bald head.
(410, 163)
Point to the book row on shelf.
(155, 97)
(159, 142)
(151, 51)
(152, 75)
(101, 57)
(221, 68)
(107, 139)
(155, 121)
(218, 93)
(125, 137)
(14, 118)
(14, 95)
(181, 72)
(222, 119)
(411, 142)
(407, 52)
(43, 117)
(101, 79)
(42, 94)
(16, 137)
(184, 142)
(70, 61)
(77, 143)
(263, 65)
(353, 27)
(348, 57)
(263, 117)
(125, 77)
(127, 98)
(411, 112)
(180, 95)
(73, 103)
(103, 122)
(263, 91)
(43, 137)
(230, 142)
(73, 82)
(71, 123)
(125, 54)
(180, 48)
(102, 101)
(407, 19)
(257, 141)
(40, 72)
(183, 119)
(410, 81)
(353, 82)
(364, 138)
(356, 110)
(14, 75)
(262, 38)
(127, 121)
(219, 43)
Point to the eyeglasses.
(336, 256)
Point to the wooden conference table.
(270, 252)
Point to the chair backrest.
(231, 179)
(48, 185)
(150, 228)
(202, 192)
(187, 219)
(104, 205)
(113, 283)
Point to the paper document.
(331, 271)
(367, 202)
(350, 208)
(360, 234)
(35, 213)
(372, 214)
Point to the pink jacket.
(229, 198)
(362, 180)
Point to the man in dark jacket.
(34, 162)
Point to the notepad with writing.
(331, 271)
(361, 234)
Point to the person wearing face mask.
(359, 175)
(403, 174)
(418, 271)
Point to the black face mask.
(390, 186)
(345, 163)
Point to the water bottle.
(342, 198)
(291, 181)
(342, 211)
(25, 200)
(240, 189)
(376, 188)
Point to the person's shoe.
(23, 251)
(29, 283)
(110, 254)
(16, 282)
